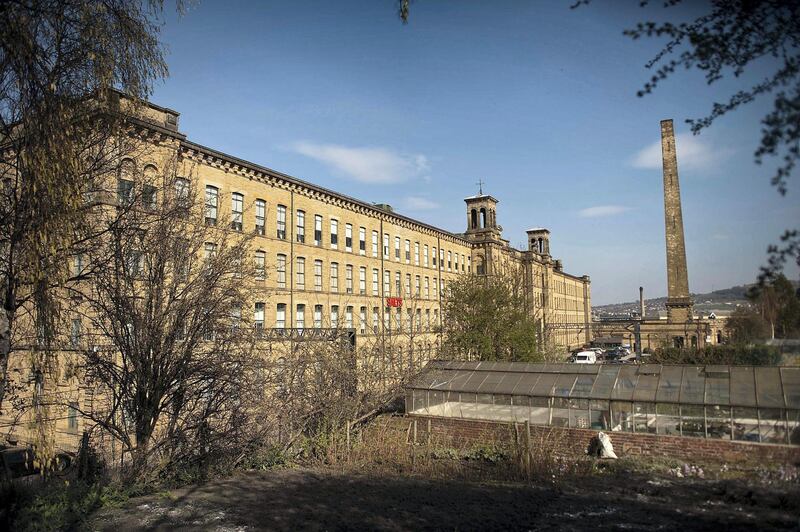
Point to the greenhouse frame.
(758, 404)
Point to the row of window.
(411, 320)
(422, 255)
(421, 288)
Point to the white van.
(585, 357)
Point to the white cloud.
(602, 210)
(367, 165)
(418, 203)
(692, 153)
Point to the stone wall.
(573, 442)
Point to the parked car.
(585, 357)
(18, 463)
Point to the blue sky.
(537, 100)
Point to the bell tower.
(482, 214)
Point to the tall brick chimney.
(679, 304)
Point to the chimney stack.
(679, 304)
(641, 302)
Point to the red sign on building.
(394, 301)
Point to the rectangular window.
(300, 316)
(280, 316)
(427, 287)
(408, 251)
(441, 259)
(434, 257)
(334, 316)
(455, 261)
(317, 316)
(418, 317)
(375, 319)
(261, 265)
(261, 216)
(212, 203)
(425, 255)
(375, 244)
(463, 263)
(362, 280)
(258, 316)
(301, 227)
(387, 280)
(398, 317)
(237, 208)
(318, 275)
(281, 228)
(334, 277)
(72, 417)
(362, 320)
(75, 333)
(348, 237)
(397, 289)
(334, 234)
(149, 197)
(408, 285)
(182, 192)
(416, 253)
(300, 274)
(348, 278)
(317, 230)
(435, 317)
(348, 317)
(427, 319)
(375, 281)
(77, 265)
(469, 264)
(280, 268)
(386, 245)
(435, 288)
(449, 261)
(362, 240)
(417, 289)
(397, 248)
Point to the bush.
(752, 355)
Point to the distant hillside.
(719, 301)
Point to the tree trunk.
(5, 351)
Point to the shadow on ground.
(323, 500)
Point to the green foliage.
(755, 355)
(745, 326)
(265, 457)
(487, 317)
(57, 505)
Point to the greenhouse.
(746, 403)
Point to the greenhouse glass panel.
(693, 421)
(718, 422)
(540, 410)
(468, 397)
(560, 415)
(509, 383)
(717, 388)
(475, 380)
(563, 386)
(420, 403)
(458, 380)
(791, 386)
(485, 399)
(435, 398)
(583, 386)
(490, 383)
(521, 400)
(621, 416)
(604, 383)
(745, 424)
(772, 425)
(794, 426)
(527, 383)
(768, 388)
(692, 386)
(646, 388)
(579, 413)
(668, 419)
(669, 386)
(743, 386)
(544, 387)
(644, 417)
(501, 399)
(626, 382)
(599, 415)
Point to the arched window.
(483, 218)
(474, 219)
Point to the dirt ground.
(318, 499)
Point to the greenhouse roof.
(747, 386)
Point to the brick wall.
(573, 442)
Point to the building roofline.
(297, 181)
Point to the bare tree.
(169, 307)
